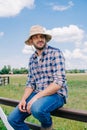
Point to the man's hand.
(30, 104)
(22, 106)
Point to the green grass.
(77, 99)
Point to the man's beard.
(40, 48)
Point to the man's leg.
(42, 107)
(16, 117)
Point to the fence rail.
(4, 80)
(77, 115)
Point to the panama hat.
(37, 29)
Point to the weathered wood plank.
(78, 115)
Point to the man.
(46, 88)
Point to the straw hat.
(37, 29)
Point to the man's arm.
(27, 92)
(22, 104)
(51, 89)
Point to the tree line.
(8, 70)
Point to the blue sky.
(65, 20)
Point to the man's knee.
(36, 110)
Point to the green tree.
(5, 69)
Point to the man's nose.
(40, 39)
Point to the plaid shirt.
(49, 68)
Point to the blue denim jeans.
(40, 109)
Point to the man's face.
(39, 41)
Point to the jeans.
(40, 109)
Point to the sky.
(65, 20)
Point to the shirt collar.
(45, 51)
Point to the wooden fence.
(4, 80)
(77, 115)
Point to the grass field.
(77, 99)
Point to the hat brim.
(29, 40)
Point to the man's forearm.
(27, 92)
(51, 89)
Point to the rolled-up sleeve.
(59, 68)
(30, 80)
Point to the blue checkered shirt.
(48, 69)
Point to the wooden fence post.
(4, 119)
(4, 80)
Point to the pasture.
(77, 99)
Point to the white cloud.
(76, 58)
(1, 34)
(62, 7)
(67, 54)
(76, 64)
(77, 53)
(13, 7)
(28, 50)
(85, 43)
(85, 47)
(71, 33)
